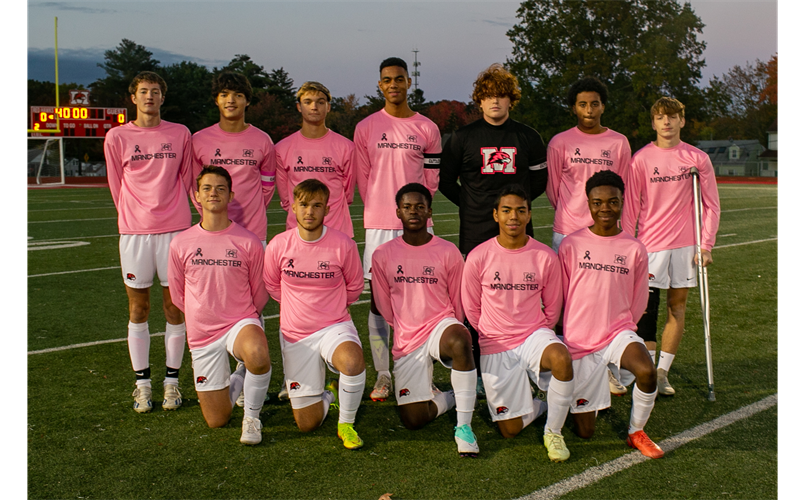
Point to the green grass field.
(85, 441)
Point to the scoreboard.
(75, 121)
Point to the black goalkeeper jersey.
(484, 158)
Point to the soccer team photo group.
(452, 300)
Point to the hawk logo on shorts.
(581, 402)
(167, 147)
(130, 276)
(404, 392)
(529, 276)
(232, 253)
(324, 265)
(248, 153)
(498, 160)
(428, 270)
(201, 380)
(650, 277)
(620, 259)
(294, 386)
(501, 410)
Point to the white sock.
(653, 354)
(236, 383)
(379, 342)
(642, 404)
(350, 392)
(665, 361)
(327, 397)
(174, 345)
(560, 395)
(538, 409)
(464, 389)
(254, 393)
(139, 341)
(444, 401)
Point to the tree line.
(642, 49)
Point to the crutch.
(704, 294)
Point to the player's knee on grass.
(216, 407)
(310, 417)
(511, 427)
(584, 424)
(415, 415)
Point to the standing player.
(314, 272)
(574, 155)
(393, 147)
(417, 287)
(605, 290)
(215, 278)
(317, 152)
(487, 155)
(660, 203)
(149, 169)
(244, 150)
(512, 294)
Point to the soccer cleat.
(640, 441)
(382, 389)
(663, 387)
(348, 435)
(251, 431)
(434, 390)
(332, 386)
(615, 386)
(557, 450)
(172, 398)
(142, 399)
(467, 444)
(242, 369)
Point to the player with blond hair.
(659, 204)
(150, 176)
(314, 272)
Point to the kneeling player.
(315, 273)
(214, 275)
(606, 291)
(507, 282)
(417, 288)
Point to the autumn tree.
(450, 115)
(642, 49)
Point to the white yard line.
(594, 474)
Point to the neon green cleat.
(557, 450)
(348, 435)
(332, 386)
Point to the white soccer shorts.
(211, 362)
(143, 255)
(674, 268)
(591, 392)
(304, 361)
(413, 373)
(506, 374)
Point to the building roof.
(719, 151)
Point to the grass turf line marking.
(160, 334)
(594, 474)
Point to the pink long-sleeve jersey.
(660, 198)
(216, 280)
(416, 287)
(250, 159)
(150, 177)
(328, 159)
(390, 153)
(573, 157)
(502, 289)
(605, 287)
(313, 281)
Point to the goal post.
(45, 161)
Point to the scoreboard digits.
(76, 121)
